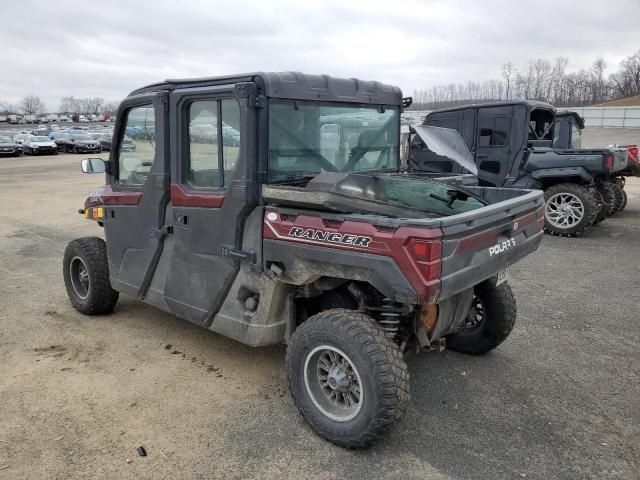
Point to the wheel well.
(397, 319)
(327, 293)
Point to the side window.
(446, 122)
(486, 131)
(137, 149)
(214, 142)
(501, 131)
(494, 131)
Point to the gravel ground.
(558, 400)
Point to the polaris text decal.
(330, 237)
(502, 246)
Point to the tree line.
(543, 80)
(33, 105)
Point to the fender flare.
(563, 172)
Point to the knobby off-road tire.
(373, 373)
(490, 321)
(86, 276)
(583, 202)
(608, 200)
(620, 198)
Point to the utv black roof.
(531, 105)
(295, 86)
(570, 113)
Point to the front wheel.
(86, 276)
(569, 209)
(347, 378)
(490, 319)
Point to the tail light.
(610, 162)
(633, 153)
(426, 257)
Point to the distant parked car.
(40, 132)
(21, 137)
(9, 147)
(39, 144)
(104, 139)
(81, 143)
(59, 138)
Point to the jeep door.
(210, 197)
(136, 194)
(492, 144)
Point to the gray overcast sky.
(107, 48)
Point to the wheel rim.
(476, 315)
(79, 277)
(564, 210)
(333, 383)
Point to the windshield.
(306, 138)
(5, 140)
(39, 139)
(81, 137)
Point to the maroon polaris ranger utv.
(270, 208)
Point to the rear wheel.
(347, 378)
(86, 276)
(607, 197)
(620, 198)
(569, 209)
(490, 319)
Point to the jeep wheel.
(620, 197)
(86, 276)
(569, 209)
(347, 378)
(489, 322)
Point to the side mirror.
(93, 165)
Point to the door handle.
(482, 155)
(181, 220)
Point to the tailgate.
(491, 238)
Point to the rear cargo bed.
(476, 244)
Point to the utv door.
(137, 193)
(210, 198)
(492, 144)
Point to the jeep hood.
(394, 195)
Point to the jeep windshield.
(308, 138)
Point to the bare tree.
(627, 80)
(541, 80)
(32, 105)
(70, 105)
(112, 107)
(508, 70)
(598, 90)
(7, 108)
